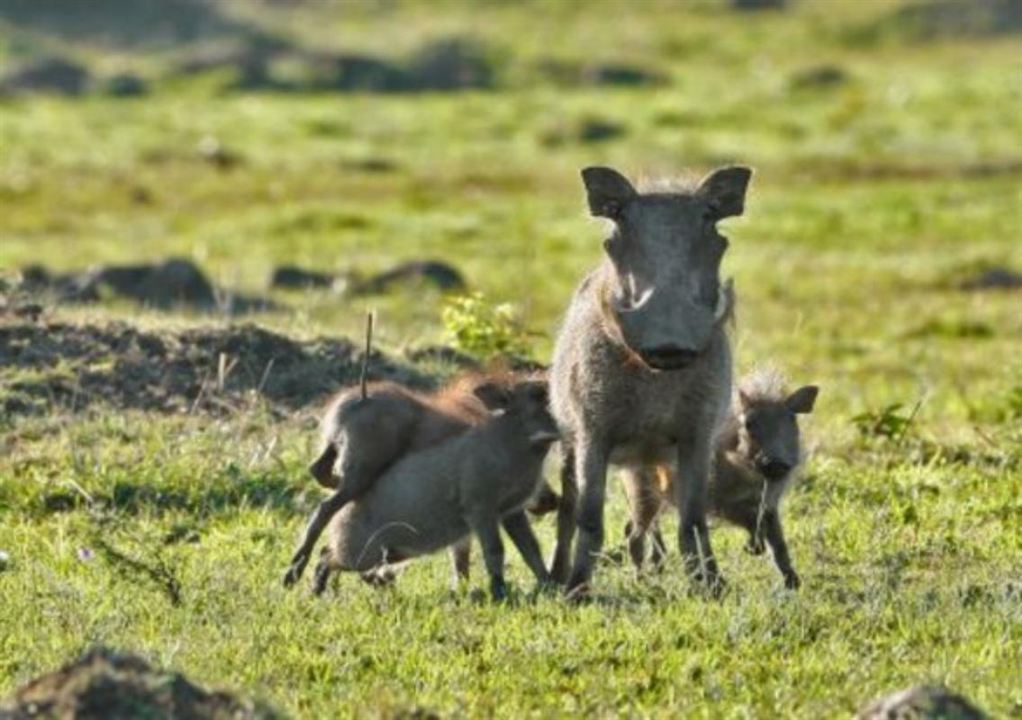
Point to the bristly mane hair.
(683, 185)
(764, 383)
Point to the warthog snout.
(668, 357)
(660, 288)
(774, 469)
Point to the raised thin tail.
(365, 358)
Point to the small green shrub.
(889, 423)
(480, 328)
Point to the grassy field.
(877, 193)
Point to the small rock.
(125, 85)
(292, 276)
(819, 76)
(994, 279)
(437, 273)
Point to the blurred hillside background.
(344, 137)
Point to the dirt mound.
(447, 64)
(53, 75)
(924, 702)
(414, 273)
(452, 63)
(442, 275)
(171, 283)
(107, 685)
(570, 74)
(292, 276)
(758, 4)
(953, 19)
(52, 366)
(129, 24)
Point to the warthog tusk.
(725, 301)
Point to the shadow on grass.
(134, 498)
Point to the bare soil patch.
(53, 366)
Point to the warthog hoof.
(712, 583)
(792, 581)
(295, 570)
(577, 591)
(498, 590)
(560, 570)
(547, 587)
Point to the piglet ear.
(724, 191)
(802, 400)
(607, 190)
(493, 395)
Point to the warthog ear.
(493, 395)
(608, 191)
(724, 190)
(802, 400)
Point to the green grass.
(872, 201)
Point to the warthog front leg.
(775, 538)
(561, 564)
(518, 527)
(591, 471)
(690, 496)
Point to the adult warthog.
(642, 367)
